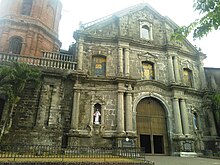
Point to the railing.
(45, 151)
(50, 60)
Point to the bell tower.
(29, 27)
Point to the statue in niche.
(97, 117)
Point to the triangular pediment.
(140, 12)
(185, 45)
(128, 23)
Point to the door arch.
(152, 126)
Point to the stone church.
(123, 83)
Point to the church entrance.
(151, 126)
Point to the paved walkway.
(170, 160)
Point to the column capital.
(128, 94)
(182, 99)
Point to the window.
(148, 71)
(187, 77)
(145, 32)
(15, 44)
(99, 66)
(26, 7)
(97, 114)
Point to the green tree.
(13, 79)
(209, 21)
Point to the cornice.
(46, 31)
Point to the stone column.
(177, 117)
(92, 110)
(129, 124)
(213, 83)
(170, 69)
(44, 101)
(176, 69)
(120, 112)
(202, 76)
(120, 61)
(75, 110)
(184, 115)
(80, 55)
(127, 60)
(213, 130)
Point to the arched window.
(187, 77)
(148, 71)
(15, 44)
(99, 66)
(26, 7)
(145, 32)
(97, 114)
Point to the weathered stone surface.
(111, 75)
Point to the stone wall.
(43, 114)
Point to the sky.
(180, 11)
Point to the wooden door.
(151, 124)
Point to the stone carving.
(97, 115)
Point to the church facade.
(125, 84)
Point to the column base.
(125, 142)
(185, 154)
(131, 134)
(121, 134)
(183, 144)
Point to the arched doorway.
(151, 126)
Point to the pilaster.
(184, 116)
(120, 61)
(75, 110)
(120, 112)
(202, 76)
(127, 65)
(170, 68)
(176, 69)
(129, 124)
(80, 54)
(177, 117)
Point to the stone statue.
(97, 114)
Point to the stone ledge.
(185, 154)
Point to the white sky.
(180, 11)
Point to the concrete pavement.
(170, 160)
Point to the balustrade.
(50, 60)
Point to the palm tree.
(13, 79)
